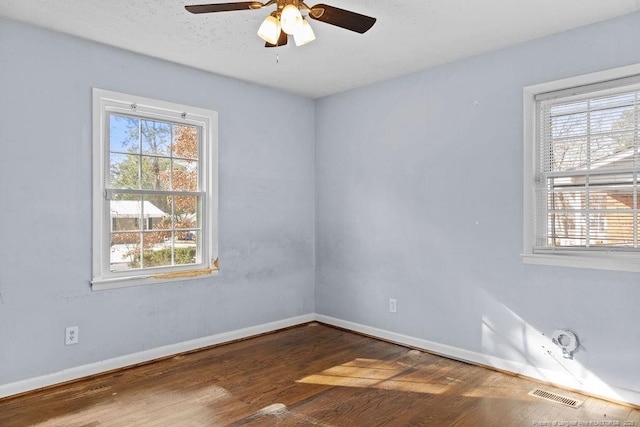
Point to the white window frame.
(600, 258)
(106, 102)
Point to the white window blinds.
(587, 165)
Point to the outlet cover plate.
(393, 305)
(71, 335)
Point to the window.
(582, 167)
(154, 191)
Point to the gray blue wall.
(266, 207)
(419, 198)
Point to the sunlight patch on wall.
(532, 353)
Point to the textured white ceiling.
(409, 35)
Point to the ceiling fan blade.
(341, 18)
(224, 7)
(282, 40)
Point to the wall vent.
(554, 397)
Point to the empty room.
(346, 214)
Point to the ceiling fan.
(287, 19)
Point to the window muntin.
(155, 190)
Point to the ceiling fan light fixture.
(304, 34)
(290, 19)
(269, 31)
(287, 19)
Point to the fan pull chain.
(277, 59)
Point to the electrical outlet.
(71, 335)
(393, 305)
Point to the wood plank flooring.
(313, 375)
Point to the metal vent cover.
(558, 398)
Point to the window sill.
(601, 261)
(101, 284)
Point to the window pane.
(185, 251)
(611, 119)
(126, 220)
(612, 223)
(612, 151)
(563, 109)
(185, 175)
(185, 142)
(613, 229)
(157, 249)
(567, 229)
(124, 171)
(158, 212)
(569, 125)
(123, 250)
(156, 137)
(125, 212)
(619, 199)
(124, 134)
(156, 173)
(567, 200)
(186, 220)
(186, 209)
(611, 101)
(569, 154)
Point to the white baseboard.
(590, 384)
(75, 373)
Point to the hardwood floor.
(308, 375)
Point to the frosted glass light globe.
(290, 19)
(269, 31)
(304, 34)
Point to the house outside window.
(582, 167)
(155, 191)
